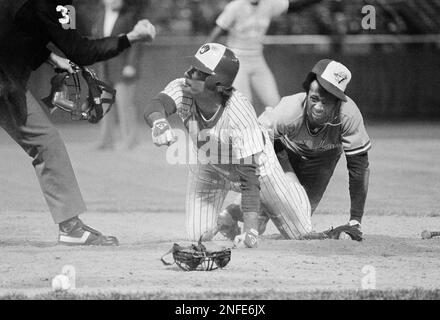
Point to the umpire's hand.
(143, 31)
(60, 63)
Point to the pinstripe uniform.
(234, 135)
(247, 25)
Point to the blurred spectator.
(116, 17)
(245, 23)
(197, 17)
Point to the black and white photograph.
(219, 153)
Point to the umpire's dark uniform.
(26, 27)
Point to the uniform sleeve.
(39, 58)
(247, 142)
(166, 102)
(247, 135)
(250, 187)
(359, 172)
(355, 139)
(281, 119)
(227, 18)
(174, 90)
(279, 7)
(80, 49)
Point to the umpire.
(26, 28)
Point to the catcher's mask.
(197, 257)
(66, 95)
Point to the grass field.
(138, 197)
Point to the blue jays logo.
(204, 49)
(340, 76)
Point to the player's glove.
(162, 133)
(197, 257)
(354, 232)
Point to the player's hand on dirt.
(162, 133)
(60, 63)
(143, 31)
(248, 239)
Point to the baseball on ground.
(60, 283)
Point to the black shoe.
(74, 232)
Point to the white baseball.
(60, 283)
(344, 236)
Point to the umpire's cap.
(333, 76)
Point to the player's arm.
(281, 119)
(80, 49)
(359, 172)
(250, 202)
(356, 144)
(156, 115)
(248, 142)
(250, 193)
(216, 33)
(223, 23)
(298, 5)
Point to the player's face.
(195, 81)
(321, 105)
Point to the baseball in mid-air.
(60, 283)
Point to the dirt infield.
(137, 197)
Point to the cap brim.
(331, 88)
(198, 65)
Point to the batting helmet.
(219, 62)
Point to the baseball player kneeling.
(233, 151)
(312, 129)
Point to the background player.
(312, 129)
(116, 17)
(246, 23)
(241, 154)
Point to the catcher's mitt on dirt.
(197, 257)
(334, 233)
